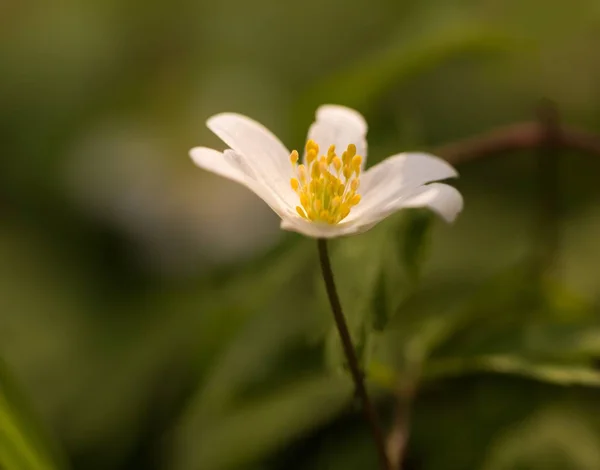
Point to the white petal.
(215, 161)
(339, 126)
(407, 170)
(231, 165)
(262, 151)
(256, 185)
(396, 177)
(294, 223)
(441, 198)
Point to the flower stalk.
(357, 375)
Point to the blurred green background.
(154, 316)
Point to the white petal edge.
(262, 151)
(443, 199)
(215, 162)
(336, 112)
(233, 166)
(318, 230)
(340, 126)
(397, 176)
(408, 169)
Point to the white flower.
(329, 194)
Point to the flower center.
(327, 184)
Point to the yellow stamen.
(337, 163)
(315, 171)
(304, 200)
(301, 212)
(330, 154)
(294, 157)
(351, 150)
(344, 211)
(327, 184)
(346, 158)
(302, 173)
(323, 165)
(312, 145)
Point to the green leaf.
(552, 439)
(259, 427)
(375, 274)
(403, 257)
(558, 374)
(415, 241)
(357, 265)
(507, 325)
(23, 445)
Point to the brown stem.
(357, 374)
(519, 136)
(399, 434)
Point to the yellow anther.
(346, 158)
(301, 212)
(314, 172)
(323, 166)
(302, 173)
(294, 157)
(330, 154)
(331, 187)
(312, 145)
(337, 163)
(326, 185)
(344, 211)
(351, 150)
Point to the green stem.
(357, 374)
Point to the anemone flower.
(326, 193)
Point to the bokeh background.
(154, 316)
